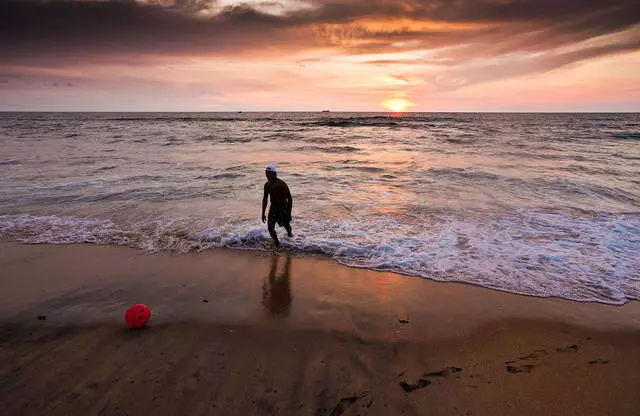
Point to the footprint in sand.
(443, 373)
(527, 368)
(570, 348)
(530, 356)
(520, 369)
(345, 402)
(523, 368)
(527, 357)
(420, 384)
(423, 382)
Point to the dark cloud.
(68, 32)
(471, 11)
(500, 27)
(59, 30)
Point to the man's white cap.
(270, 168)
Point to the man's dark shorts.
(280, 216)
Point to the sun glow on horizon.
(397, 105)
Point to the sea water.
(536, 204)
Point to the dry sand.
(238, 333)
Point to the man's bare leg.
(274, 235)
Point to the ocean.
(535, 204)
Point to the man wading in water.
(281, 204)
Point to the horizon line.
(391, 113)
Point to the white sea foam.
(532, 253)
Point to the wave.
(106, 168)
(208, 138)
(376, 121)
(327, 149)
(461, 173)
(391, 121)
(365, 169)
(221, 176)
(172, 141)
(626, 136)
(236, 140)
(627, 157)
(85, 160)
(591, 190)
(544, 184)
(590, 258)
(194, 118)
(217, 139)
(235, 168)
(9, 162)
(460, 140)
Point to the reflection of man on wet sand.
(276, 293)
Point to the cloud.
(490, 70)
(452, 34)
(60, 30)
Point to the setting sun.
(397, 105)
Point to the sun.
(397, 105)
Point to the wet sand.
(263, 334)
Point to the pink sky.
(311, 55)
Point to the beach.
(262, 333)
(319, 208)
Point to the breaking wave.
(537, 253)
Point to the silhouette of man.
(276, 295)
(281, 204)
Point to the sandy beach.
(249, 333)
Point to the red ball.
(137, 315)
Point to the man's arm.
(265, 196)
(289, 198)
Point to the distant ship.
(326, 111)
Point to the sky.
(313, 55)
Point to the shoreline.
(287, 251)
(362, 288)
(243, 332)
